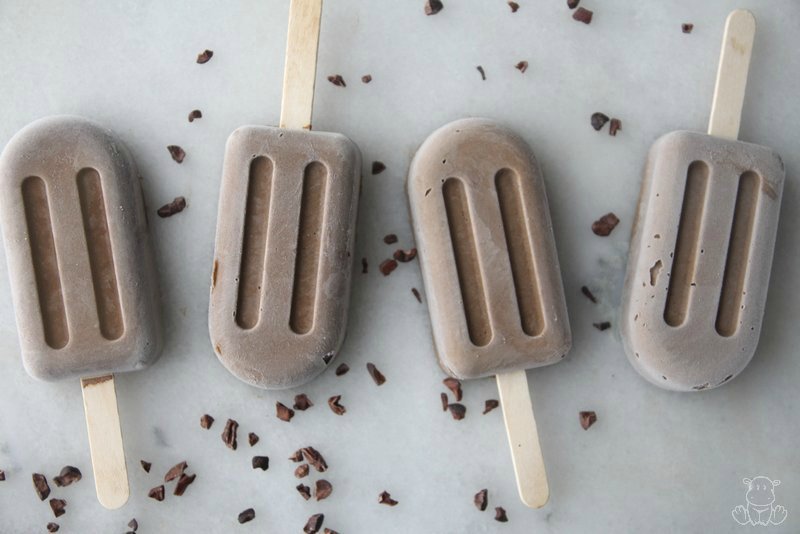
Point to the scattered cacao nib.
(301, 471)
(605, 224)
(366, 78)
(454, 385)
(598, 120)
(67, 476)
(302, 402)
(247, 515)
(195, 114)
(336, 408)
(364, 266)
(177, 153)
(133, 524)
(458, 411)
(58, 506)
(313, 457)
(514, 6)
(588, 294)
(204, 56)
(297, 456)
(229, 434)
(376, 375)
(390, 239)
(499, 511)
(322, 489)
(587, 419)
(378, 167)
(387, 266)
(405, 256)
(490, 405)
(582, 15)
(483, 73)
(614, 126)
(522, 66)
(40, 486)
(175, 471)
(176, 206)
(304, 491)
(2, 475)
(252, 438)
(445, 402)
(481, 499)
(260, 462)
(342, 369)
(145, 465)
(206, 421)
(157, 493)
(329, 531)
(687, 27)
(183, 483)
(386, 498)
(605, 325)
(432, 7)
(337, 80)
(52, 527)
(415, 292)
(572, 4)
(284, 413)
(314, 523)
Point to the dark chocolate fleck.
(284, 413)
(376, 375)
(52, 527)
(260, 462)
(40, 486)
(386, 498)
(378, 167)
(336, 408)
(157, 493)
(183, 483)
(598, 120)
(302, 402)
(328, 356)
(500, 513)
(337, 80)
(204, 56)
(614, 126)
(366, 78)
(445, 402)
(323, 489)
(572, 4)
(605, 325)
(415, 292)
(67, 476)
(390, 239)
(58, 506)
(454, 385)
(458, 411)
(387, 266)
(514, 6)
(247, 515)
(605, 224)
(176, 206)
(133, 524)
(522, 66)
(490, 405)
(587, 419)
(206, 421)
(177, 153)
(145, 465)
(195, 114)
(483, 73)
(314, 523)
(687, 27)
(364, 266)
(405, 256)
(583, 15)
(301, 471)
(304, 491)
(588, 294)
(342, 369)
(175, 471)
(229, 434)
(313, 457)
(432, 7)
(481, 499)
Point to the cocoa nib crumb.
(687, 27)
(405, 256)
(386, 498)
(304, 491)
(297, 456)
(206, 421)
(454, 385)
(40, 486)
(260, 462)
(67, 476)
(58, 506)
(195, 114)
(302, 402)
(598, 120)
(415, 292)
(314, 523)
(183, 483)
(133, 524)
(499, 511)
(283, 413)
(582, 15)
(229, 434)
(390, 239)
(376, 375)
(514, 6)
(145, 465)
(329, 531)
(378, 167)
(364, 266)
(588, 294)
(322, 489)
(313, 457)
(252, 438)
(605, 224)
(342, 369)
(483, 73)
(587, 419)
(445, 402)
(522, 66)
(432, 7)
(481, 499)
(458, 411)
(175, 471)
(176, 206)
(2, 475)
(204, 56)
(301, 471)
(177, 153)
(605, 325)
(157, 493)
(52, 527)
(614, 126)
(387, 266)
(336, 408)
(490, 405)
(572, 4)
(247, 515)
(366, 78)
(337, 80)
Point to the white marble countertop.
(655, 461)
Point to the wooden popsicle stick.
(105, 441)
(300, 70)
(523, 438)
(734, 62)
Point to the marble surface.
(655, 461)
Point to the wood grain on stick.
(300, 70)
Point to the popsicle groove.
(744, 217)
(465, 251)
(254, 243)
(520, 254)
(685, 258)
(101, 258)
(309, 241)
(45, 262)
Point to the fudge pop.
(702, 246)
(82, 273)
(280, 283)
(489, 266)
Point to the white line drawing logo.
(761, 508)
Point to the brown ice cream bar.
(82, 273)
(700, 259)
(283, 261)
(487, 252)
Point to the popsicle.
(702, 246)
(280, 282)
(82, 273)
(490, 269)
